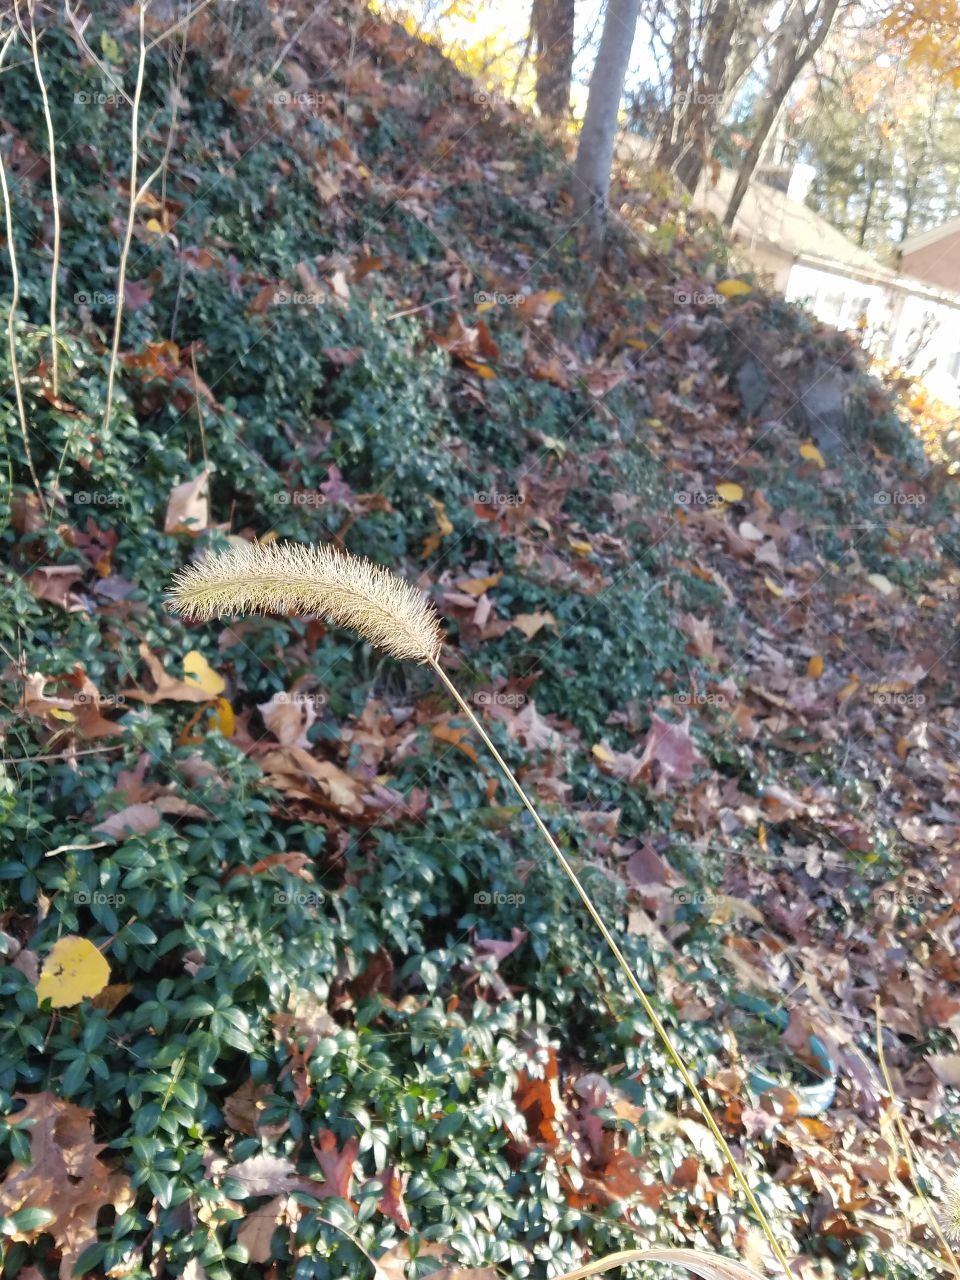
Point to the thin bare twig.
(51, 144)
(14, 303)
(135, 197)
(81, 39)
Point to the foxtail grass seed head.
(950, 1212)
(274, 577)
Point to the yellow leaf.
(154, 226)
(812, 454)
(638, 344)
(530, 623)
(485, 306)
(849, 689)
(582, 548)
(733, 288)
(762, 837)
(477, 586)
(59, 713)
(223, 718)
(815, 667)
(730, 492)
(600, 752)
(483, 370)
(110, 47)
(197, 670)
(432, 541)
(773, 588)
(73, 970)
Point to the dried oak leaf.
(337, 1165)
(256, 1231)
(54, 582)
(66, 1177)
(81, 711)
(188, 506)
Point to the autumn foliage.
(286, 980)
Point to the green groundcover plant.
(392, 616)
(214, 943)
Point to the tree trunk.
(708, 59)
(787, 71)
(867, 209)
(552, 24)
(591, 174)
(752, 158)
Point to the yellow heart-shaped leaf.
(73, 970)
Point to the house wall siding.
(938, 263)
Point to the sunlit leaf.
(73, 970)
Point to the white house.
(911, 311)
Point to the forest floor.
(350, 1009)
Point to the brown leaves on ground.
(393, 1264)
(300, 775)
(82, 711)
(472, 345)
(289, 717)
(66, 1177)
(141, 819)
(54, 583)
(167, 688)
(805, 646)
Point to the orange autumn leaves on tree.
(930, 29)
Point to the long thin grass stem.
(135, 197)
(392, 615)
(626, 968)
(908, 1150)
(14, 303)
(55, 198)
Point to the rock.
(824, 407)
(753, 385)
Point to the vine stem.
(626, 968)
(54, 197)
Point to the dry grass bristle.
(275, 577)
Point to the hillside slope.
(708, 616)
